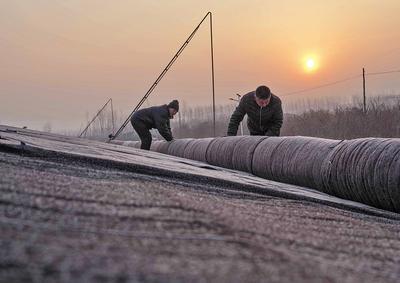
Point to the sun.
(310, 64)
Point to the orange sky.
(62, 59)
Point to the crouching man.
(156, 117)
(264, 111)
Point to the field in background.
(309, 118)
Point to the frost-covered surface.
(34, 140)
(363, 170)
(73, 210)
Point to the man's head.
(263, 96)
(173, 108)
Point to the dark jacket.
(156, 117)
(261, 121)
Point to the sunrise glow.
(310, 64)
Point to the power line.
(340, 81)
(382, 73)
(321, 86)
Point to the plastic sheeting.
(119, 142)
(135, 144)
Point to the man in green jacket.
(264, 111)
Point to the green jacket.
(261, 120)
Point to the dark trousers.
(143, 132)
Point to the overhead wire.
(382, 73)
(339, 81)
(322, 86)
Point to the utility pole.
(212, 71)
(364, 97)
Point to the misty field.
(382, 119)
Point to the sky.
(60, 61)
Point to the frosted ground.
(73, 210)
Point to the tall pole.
(159, 78)
(364, 97)
(212, 71)
(241, 123)
(112, 117)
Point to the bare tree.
(321, 119)
(47, 127)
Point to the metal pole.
(153, 86)
(212, 70)
(94, 118)
(241, 123)
(364, 97)
(112, 117)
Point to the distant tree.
(321, 119)
(47, 127)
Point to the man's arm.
(161, 121)
(276, 122)
(164, 129)
(236, 118)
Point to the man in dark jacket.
(264, 111)
(156, 117)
